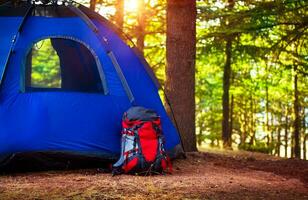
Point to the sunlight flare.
(131, 5)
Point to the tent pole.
(84, 17)
(89, 22)
(124, 35)
(14, 40)
(122, 77)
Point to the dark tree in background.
(226, 136)
(140, 32)
(119, 15)
(180, 70)
(92, 4)
(297, 151)
(226, 131)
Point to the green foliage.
(269, 38)
(260, 147)
(46, 71)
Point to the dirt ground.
(207, 175)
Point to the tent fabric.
(6, 37)
(71, 121)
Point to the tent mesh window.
(61, 64)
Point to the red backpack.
(142, 150)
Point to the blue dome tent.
(66, 78)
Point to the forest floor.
(206, 175)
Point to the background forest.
(251, 74)
(235, 80)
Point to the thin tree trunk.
(296, 132)
(267, 116)
(92, 4)
(180, 70)
(286, 133)
(244, 126)
(292, 145)
(246, 123)
(305, 147)
(279, 135)
(212, 144)
(278, 140)
(272, 135)
(231, 117)
(141, 26)
(199, 136)
(226, 137)
(252, 122)
(305, 136)
(119, 15)
(225, 98)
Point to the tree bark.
(252, 122)
(305, 136)
(292, 145)
(180, 70)
(279, 134)
(279, 140)
(296, 132)
(199, 136)
(305, 147)
(119, 15)
(141, 26)
(272, 148)
(231, 116)
(92, 4)
(267, 116)
(225, 98)
(286, 133)
(226, 137)
(243, 124)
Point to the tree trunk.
(304, 135)
(225, 98)
(297, 152)
(252, 122)
(199, 136)
(92, 4)
(180, 70)
(267, 116)
(243, 125)
(279, 135)
(226, 137)
(292, 145)
(231, 117)
(286, 133)
(141, 26)
(305, 147)
(279, 140)
(119, 15)
(272, 135)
